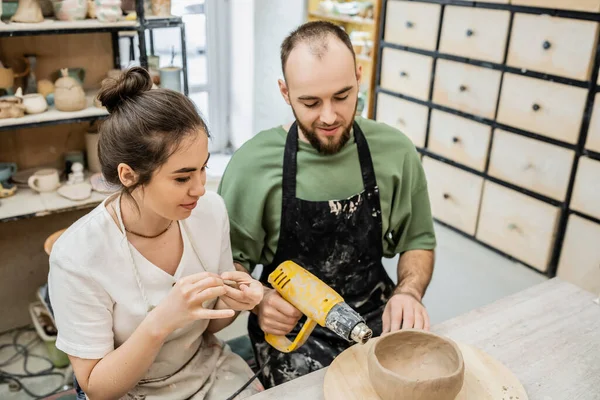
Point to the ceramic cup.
(44, 180)
(7, 170)
(170, 78)
(34, 103)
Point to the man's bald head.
(316, 35)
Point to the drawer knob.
(409, 24)
(462, 88)
(535, 107)
(403, 73)
(513, 227)
(455, 139)
(400, 121)
(446, 196)
(546, 45)
(470, 32)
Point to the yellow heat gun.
(321, 304)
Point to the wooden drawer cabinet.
(412, 24)
(467, 88)
(540, 167)
(459, 139)
(547, 108)
(575, 5)
(558, 46)
(517, 224)
(580, 255)
(593, 136)
(475, 33)
(586, 191)
(408, 117)
(406, 73)
(454, 194)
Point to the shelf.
(51, 26)
(341, 18)
(363, 58)
(27, 203)
(53, 116)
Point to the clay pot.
(70, 10)
(34, 103)
(68, 94)
(28, 11)
(45, 87)
(414, 364)
(11, 107)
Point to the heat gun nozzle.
(361, 333)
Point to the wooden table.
(548, 335)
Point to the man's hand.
(275, 315)
(404, 310)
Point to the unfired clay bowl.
(414, 364)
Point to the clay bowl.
(414, 364)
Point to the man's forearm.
(415, 268)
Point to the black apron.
(339, 241)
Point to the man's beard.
(330, 146)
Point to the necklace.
(150, 237)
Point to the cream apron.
(213, 372)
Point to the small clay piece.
(68, 93)
(45, 87)
(28, 11)
(414, 364)
(11, 107)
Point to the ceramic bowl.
(414, 364)
(34, 103)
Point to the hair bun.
(130, 84)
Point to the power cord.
(23, 351)
(240, 390)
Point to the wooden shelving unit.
(501, 101)
(355, 24)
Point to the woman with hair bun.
(137, 286)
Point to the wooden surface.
(577, 5)
(593, 137)
(455, 194)
(56, 24)
(406, 73)
(408, 117)
(517, 224)
(412, 24)
(580, 256)
(459, 139)
(560, 107)
(532, 164)
(546, 335)
(488, 29)
(485, 378)
(586, 191)
(572, 45)
(481, 88)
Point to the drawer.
(576, 5)
(412, 24)
(558, 46)
(517, 224)
(408, 117)
(593, 136)
(475, 33)
(547, 108)
(580, 254)
(454, 194)
(406, 73)
(540, 167)
(459, 139)
(467, 88)
(586, 191)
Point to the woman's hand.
(247, 296)
(184, 303)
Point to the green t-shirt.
(251, 187)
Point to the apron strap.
(290, 167)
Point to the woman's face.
(177, 185)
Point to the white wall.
(257, 29)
